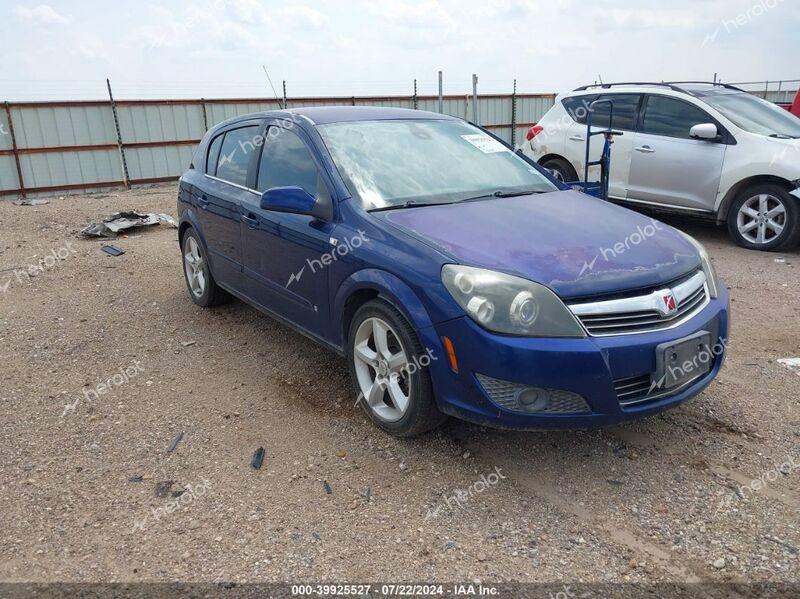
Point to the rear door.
(626, 112)
(668, 166)
(287, 256)
(220, 198)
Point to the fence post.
(285, 105)
(126, 178)
(441, 98)
(475, 99)
(514, 115)
(416, 104)
(22, 191)
(205, 116)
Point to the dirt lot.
(89, 491)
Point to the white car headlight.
(506, 304)
(708, 268)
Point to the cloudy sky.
(216, 48)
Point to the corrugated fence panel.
(5, 131)
(48, 126)
(153, 123)
(70, 168)
(530, 110)
(46, 132)
(8, 173)
(166, 161)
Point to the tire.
(561, 169)
(750, 226)
(372, 372)
(202, 287)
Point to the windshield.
(754, 114)
(395, 163)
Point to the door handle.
(645, 149)
(250, 220)
(203, 201)
(577, 138)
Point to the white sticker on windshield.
(485, 144)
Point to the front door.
(668, 166)
(286, 256)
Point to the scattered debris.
(122, 221)
(780, 260)
(341, 453)
(174, 443)
(32, 202)
(163, 488)
(719, 564)
(112, 250)
(188, 343)
(616, 483)
(327, 487)
(136, 479)
(258, 458)
(792, 364)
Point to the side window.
(234, 156)
(213, 155)
(671, 117)
(578, 107)
(286, 161)
(626, 107)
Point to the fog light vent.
(532, 400)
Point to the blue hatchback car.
(456, 276)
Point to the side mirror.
(294, 200)
(707, 131)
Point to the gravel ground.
(89, 490)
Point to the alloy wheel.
(194, 267)
(381, 365)
(761, 219)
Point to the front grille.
(554, 401)
(644, 313)
(633, 390)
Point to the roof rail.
(610, 85)
(714, 83)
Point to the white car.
(706, 149)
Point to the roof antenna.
(600, 78)
(280, 104)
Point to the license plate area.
(678, 362)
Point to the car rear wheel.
(389, 368)
(561, 170)
(765, 217)
(203, 290)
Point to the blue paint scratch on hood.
(577, 245)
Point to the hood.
(577, 245)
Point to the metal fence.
(54, 147)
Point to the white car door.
(626, 109)
(668, 166)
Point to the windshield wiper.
(408, 204)
(782, 136)
(502, 194)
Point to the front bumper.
(587, 367)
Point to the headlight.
(510, 305)
(708, 268)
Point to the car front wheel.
(389, 368)
(765, 217)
